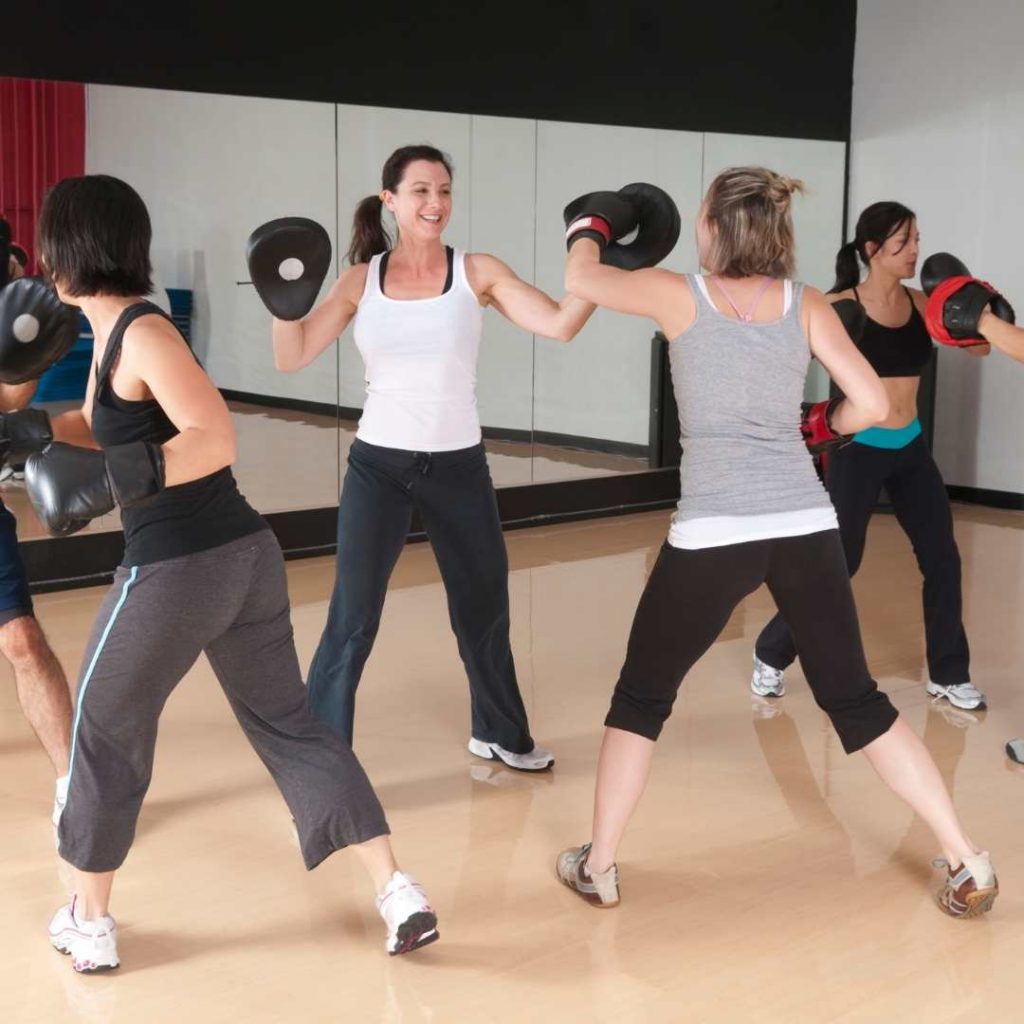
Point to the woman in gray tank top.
(751, 511)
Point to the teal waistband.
(889, 437)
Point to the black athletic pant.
(689, 598)
(855, 477)
(453, 493)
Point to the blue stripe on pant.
(87, 678)
(231, 603)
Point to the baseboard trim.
(89, 559)
(984, 496)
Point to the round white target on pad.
(25, 328)
(291, 269)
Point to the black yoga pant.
(453, 493)
(855, 477)
(689, 598)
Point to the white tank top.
(420, 357)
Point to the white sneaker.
(766, 681)
(92, 945)
(536, 760)
(599, 890)
(408, 914)
(961, 695)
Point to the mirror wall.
(213, 167)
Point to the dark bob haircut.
(94, 236)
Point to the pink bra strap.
(749, 315)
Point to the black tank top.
(896, 351)
(180, 520)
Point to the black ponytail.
(847, 268)
(368, 234)
(877, 224)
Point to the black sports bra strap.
(128, 316)
(914, 311)
(449, 277)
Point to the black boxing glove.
(608, 217)
(23, 432)
(70, 486)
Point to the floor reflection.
(766, 877)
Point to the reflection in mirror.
(608, 396)
(550, 411)
(210, 169)
(493, 170)
(592, 399)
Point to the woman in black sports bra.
(895, 341)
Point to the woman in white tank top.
(750, 512)
(417, 311)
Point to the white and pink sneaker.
(408, 914)
(92, 945)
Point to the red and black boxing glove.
(600, 216)
(644, 211)
(956, 302)
(816, 426)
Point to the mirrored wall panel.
(212, 167)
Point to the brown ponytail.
(368, 234)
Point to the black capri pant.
(688, 600)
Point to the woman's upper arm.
(156, 353)
(327, 320)
(659, 294)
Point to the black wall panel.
(776, 67)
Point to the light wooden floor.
(767, 877)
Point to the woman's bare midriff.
(902, 392)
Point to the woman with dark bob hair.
(751, 510)
(202, 572)
(417, 309)
(887, 323)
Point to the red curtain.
(42, 139)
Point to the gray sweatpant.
(231, 602)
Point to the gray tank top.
(739, 387)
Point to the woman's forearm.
(73, 428)
(289, 345)
(572, 313)
(1008, 338)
